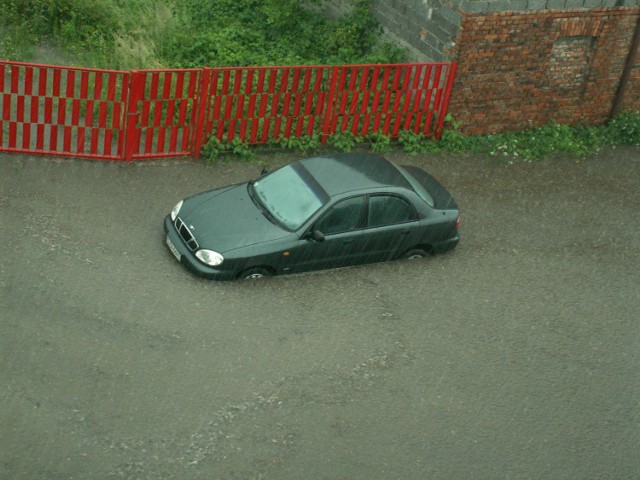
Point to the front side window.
(389, 210)
(343, 217)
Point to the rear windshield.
(417, 187)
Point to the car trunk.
(441, 197)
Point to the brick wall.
(517, 69)
(631, 99)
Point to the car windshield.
(290, 195)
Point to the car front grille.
(186, 234)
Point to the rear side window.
(389, 210)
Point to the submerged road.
(515, 356)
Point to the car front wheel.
(255, 273)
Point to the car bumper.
(450, 244)
(187, 258)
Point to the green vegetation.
(536, 143)
(128, 34)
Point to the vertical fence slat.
(84, 85)
(34, 111)
(15, 79)
(40, 135)
(26, 135)
(95, 136)
(67, 135)
(28, 80)
(70, 83)
(53, 137)
(13, 135)
(81, 140)
(56, 82)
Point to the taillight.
(458, 222)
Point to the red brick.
(512, 68)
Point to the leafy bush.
(302, 144)
(194, 33)
(379, 142)
(215, 148)
(344, 141)
(268, 32)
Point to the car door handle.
(347, 242)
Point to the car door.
(338, 237)
(390, 227)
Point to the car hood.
(226, 219)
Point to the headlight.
(176, 210)
(209, 257)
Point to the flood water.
(515, 356)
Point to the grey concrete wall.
(428, 27)
(424, 27)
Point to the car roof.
(346, 172)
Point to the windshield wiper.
(254, 197)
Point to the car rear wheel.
(415, 253)
(255, 273)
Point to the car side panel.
(440, 227)
(384, 243)
(337, 250)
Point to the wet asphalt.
(516, 356)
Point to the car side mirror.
(264, 171)
(316, 235)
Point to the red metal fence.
(159, 113)
(59, 110)
(162, 113)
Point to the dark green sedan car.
(322, 212)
